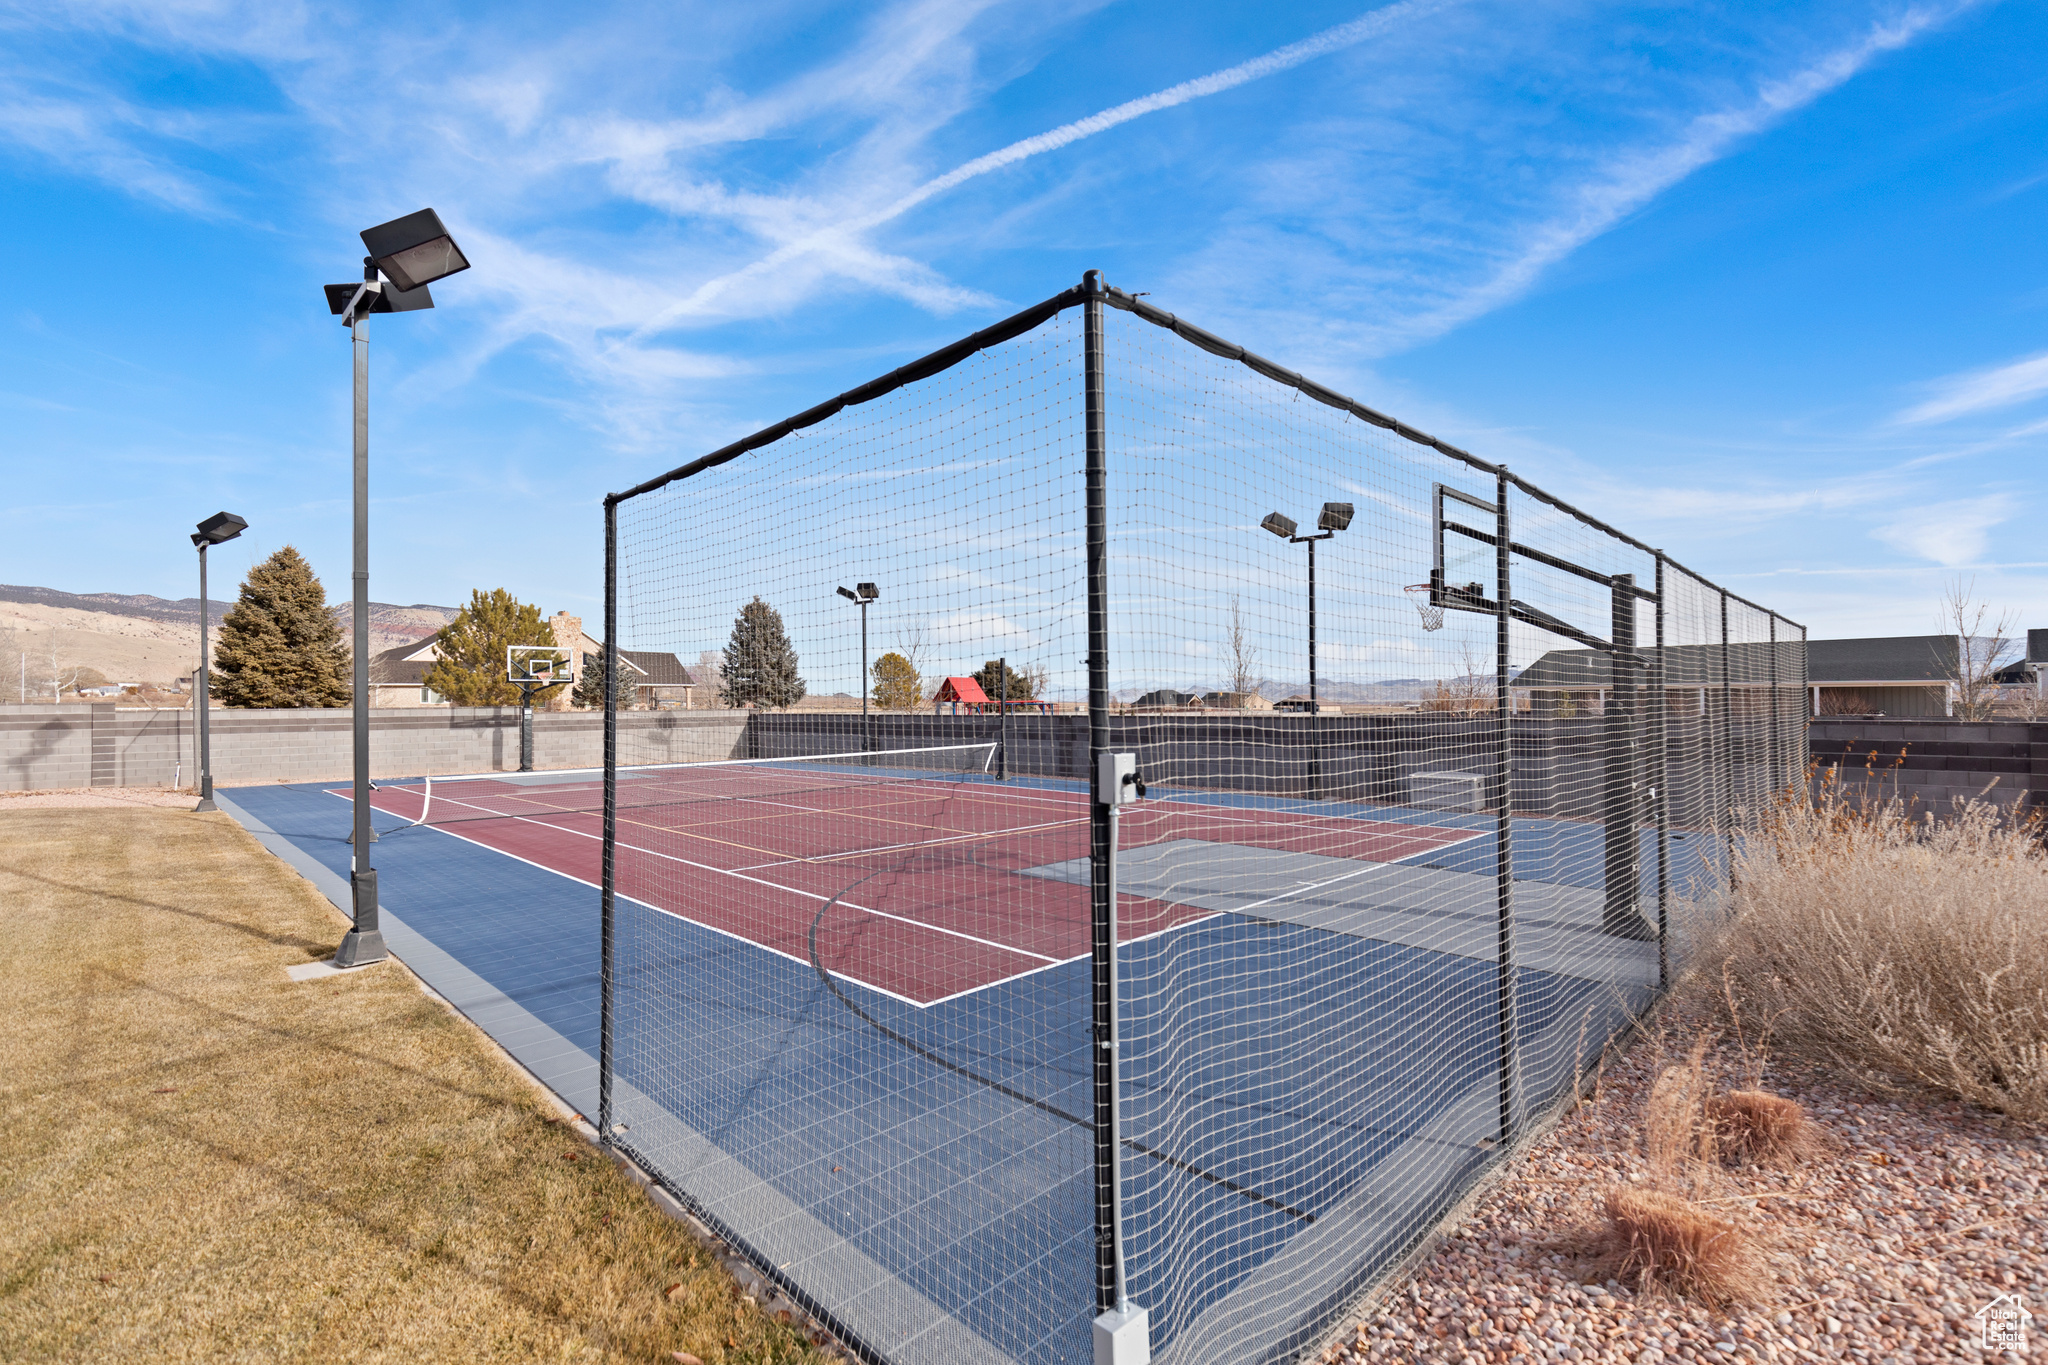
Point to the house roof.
(960, 689)
(1882, 659)
(1166, 696)
(1587, 670)
(657, 668)
(403, 665)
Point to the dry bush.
(1679, 1138)
(1658, 1242)
(1763, 1129)
(1898, 946)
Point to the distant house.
(1237, 701)
(1300, 702)
(658, 679)
(398, 676)
(1165, 696)
(1891, 675)
(1578, 682)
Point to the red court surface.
(905, 884)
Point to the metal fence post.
(1101, 829)
(1727, 749)
(1661, 698)
(1503, 800)
(611, 818)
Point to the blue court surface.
(1310, 1068)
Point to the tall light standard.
(867, 593)
(1334, 518)
(217, 529)
(408, 253)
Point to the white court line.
(759, 881)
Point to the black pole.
(611, 819)
(1003, 720)
(1503, 800)
(1621, 914)
(1107, 1270)
(525, 729)
(365, 941)
(1315, 706)
(1778, 776)
(867, 739)
(204, 681)
(1661, 699)
(1727, 746)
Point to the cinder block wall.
(77, 746)
(1935, 760)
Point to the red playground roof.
(960, 689)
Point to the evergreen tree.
(989, 675)
(759, 667)
(590, 687)
(279, 645)
(471, 669)
(897, 686)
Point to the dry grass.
(1898, 947)
(1763, 1129)
(203, 1161)
(1659, 1242)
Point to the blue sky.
(1763, 284)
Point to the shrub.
(1899, 946)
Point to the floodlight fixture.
(219, 528)
(382, 296)
(869, 592)
(848, 594)
(1280, 526)
(1336, 516)
(860, 595)
(414, 250)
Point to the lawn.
(201, 1160)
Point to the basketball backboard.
(536, 665)
(1461, 576)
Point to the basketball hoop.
(1432, 614)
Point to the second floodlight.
(1336, 516)
(414, 250)
(868, 592)
(1280, 526)
(847, 593)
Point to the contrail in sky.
(1281, 59)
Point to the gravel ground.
(128, 797)
(1884, 1247)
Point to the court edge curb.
(736, 1263)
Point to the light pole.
(215, 530)
(867, 593)
(1335, 517)
(409, 253)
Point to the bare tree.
(1979, 653)
(1471, 692)
(1244, 655)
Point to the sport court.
(857, 1033)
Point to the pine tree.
(759, 667)
(471, 669)
(279, 645)
(989, 675)
(589, 689)
(897, 686)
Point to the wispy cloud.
(1983, 390)
(1949, 533)
(836, 238)
(1635, 178)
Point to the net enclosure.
(1186, 827)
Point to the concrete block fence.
(44, 747)
(1934, 760)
